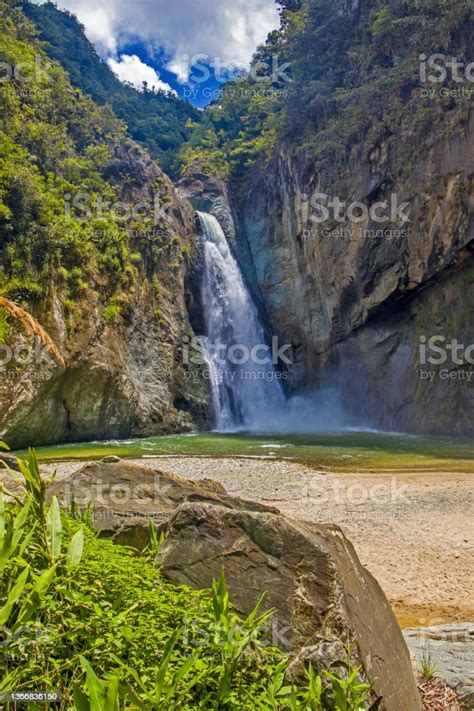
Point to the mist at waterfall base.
(249, 397)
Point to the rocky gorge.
(323, 212)
(356, 294)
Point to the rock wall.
(328, 287)
(124, 376)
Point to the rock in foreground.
(324, 599)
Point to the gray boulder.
(312, 578)
(125, 497)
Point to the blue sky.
(183, 46)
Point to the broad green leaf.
(94, 686)
(112, 698)
(75, 549)
(53, 528)
(81, 702)
(14, 595)
(39, 588)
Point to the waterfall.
(245, 385)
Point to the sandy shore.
(413, 531)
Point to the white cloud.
(230, 30)
(99, 24)
(130, 69)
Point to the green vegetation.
(350, 78)
(4, 325)
(98, 623)
(428, 666)
(54, 144)
(156, 120)
(66, 226)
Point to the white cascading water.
(244, 394)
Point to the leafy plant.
(349, 694)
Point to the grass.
(428, 666)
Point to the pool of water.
(338, 451)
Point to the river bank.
(412, 530)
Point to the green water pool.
(338, 451)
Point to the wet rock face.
(324, 599)
(324, 283)
(390, 377)
(123, 377)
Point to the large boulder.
(124, 498)
(321, 593)
(325, 601)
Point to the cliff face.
(351, 300)
(124, 373)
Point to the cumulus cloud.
(229, 30)
(131, 70)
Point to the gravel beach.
(413, 531)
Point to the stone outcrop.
(325, 601)
(342, 294)
(124, 375)
(312, 578)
